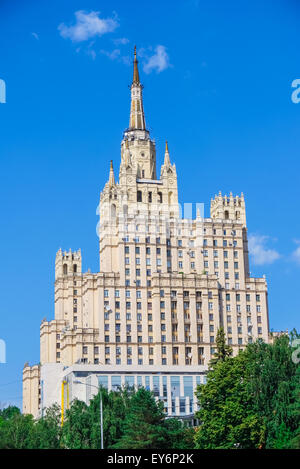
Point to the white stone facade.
(165, 285)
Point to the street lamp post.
(101, 408)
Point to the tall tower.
(150, 316)
(139, 196)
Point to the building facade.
(166, 283)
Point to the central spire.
(137, 117)
(136, 77)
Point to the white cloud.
(91, 53)
(260, 253)
(115, 54)
(87, 25)
(159, 61)
(296, 253)
(126, 60)
(121, 41)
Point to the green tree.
(143, 426)
(9, 412)
(223, 350)
(48, 429)
(115, 408)
(227, 418)
(76, 431)
(252, 400)
(273, 381)
(84, 420)
(178, 435)
(17, 432)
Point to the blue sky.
(217, 79)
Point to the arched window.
(160, 197)
(149, 197)
(139, 196)
(65, 269)
(226, 215)
(237, 215)
(75, 268)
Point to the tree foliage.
(251, 400)
(222, 349)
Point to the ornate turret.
(228, 208)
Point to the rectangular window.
(115, 383)
(103, 381)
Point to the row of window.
(216, 253)
(225, 243)
(240, 330)
(139, 195)
(238, 297)
(248, 308)
(150, 338)
(249, 319)
(186, 294)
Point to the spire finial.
(167, 156)
(136, 77)
(111, 175)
